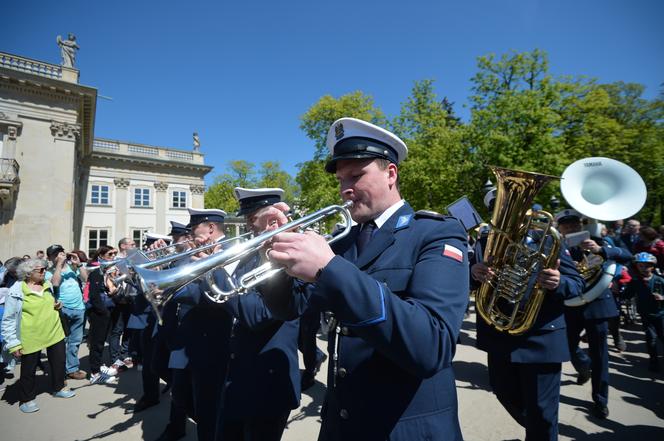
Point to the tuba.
(506, 302)
(605, 189)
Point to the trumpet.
(142, 259)
(160, 286)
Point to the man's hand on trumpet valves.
(268, 218)
(302, 254)
(159, 243)
(205, 253)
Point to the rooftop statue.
(68, 50)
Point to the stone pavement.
(103, 412)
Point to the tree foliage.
(521, 117)
(244, 174)
(318, 188)
(439, 164)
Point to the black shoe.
(308, 380)
(143, 404)
(621, 346)
(319, 363)
(583, 377)
(601, 411)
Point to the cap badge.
(339, 131)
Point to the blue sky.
(242, 73)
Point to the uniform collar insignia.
(339, 131)
(403, 221)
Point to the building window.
(139, 236)
(99, 195)
(179, 199)
(141, 197)
(96, 238)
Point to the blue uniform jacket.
(263, 376)
(546, 342)
(399, 306)
(140, 310)
(201, 341)
(603, 306)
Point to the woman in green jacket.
(31, 323)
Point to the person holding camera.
(67, 275)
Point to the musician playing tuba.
(591, 258)
(606, 189)
(525, 369)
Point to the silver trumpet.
(160, 286)
(127, 265)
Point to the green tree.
(615, 121)
(271, 175)
(438, 167)
(317, 120)
(515, 115)
(318, 188)
(220, 193)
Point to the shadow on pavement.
(615, 431)
(317, 393)
(474, 373)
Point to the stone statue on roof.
(197, 142)
(68, 50)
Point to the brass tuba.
(502, 301)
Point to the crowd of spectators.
(45, 303)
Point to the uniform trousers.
(530, 392)
(597, 359)
(309, 325)
(255, 428)
(149, 374)
(198, 391)
(27, 385)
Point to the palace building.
(60, 184)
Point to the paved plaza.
(103, 412)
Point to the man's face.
(40, 254)
(645, 268)
(181, 242)
(570, 226)
(129, 245)
(633, 227)
(364, 183)
(201, 232)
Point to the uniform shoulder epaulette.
(428, 214)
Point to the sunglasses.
(39, 270)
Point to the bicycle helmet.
(645, 258)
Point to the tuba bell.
(506, 302)
(604, 189)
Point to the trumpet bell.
(603, 188)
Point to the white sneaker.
(102, 378)
(112, 370)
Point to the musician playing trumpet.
(397, 285)
(263, 383)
